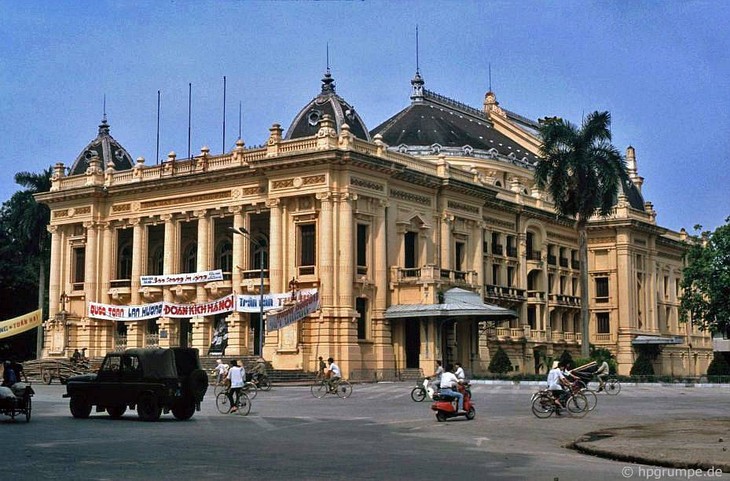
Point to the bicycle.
(341, 387)
(579, 387)
(249, 388)
(611, 387)
(544, 404)
(243, 406)
(261, 381)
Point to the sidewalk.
(689, 444)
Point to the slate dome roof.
(306, 123)
(108, 150)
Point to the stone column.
(382, 338)
(345, 275)
(169, 261)
(139, 257)
(239, 243)
(203, 256)
(446, 220)
(276, 269)
(54, 280)
(108, 253)
(326, 251)
(90, 273)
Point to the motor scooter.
(446, 406)
(423, 391)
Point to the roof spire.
(104, 126)
(417, 81)
(328, 85)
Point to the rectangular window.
(510, 276)
(362, 249)
(603, 324)
(551, 281)
(495, 274)
(459, 256)
(361, 306)
(308, 245)
(411, 243)
(532, 317)
(79, 272)
(602, 289)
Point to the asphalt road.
(379, 433)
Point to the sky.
(661, 68)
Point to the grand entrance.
(186, 333)
(413, 343)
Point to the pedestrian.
(322, 367)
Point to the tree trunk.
(41, 299)
(584, 308)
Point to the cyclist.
(333, 374)
(459, 373)
(602, 374)
(236, 375)
(557, 383)
(258, 370)
(220, 370)
(449, 387)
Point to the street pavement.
(380, 434)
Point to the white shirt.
(335, 370)
(553, 379)
(603, 369)
(448, 379)
(439, 372)
(460, 374)
(221, 368)
(236, 375)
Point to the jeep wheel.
(116, 412)
(148, 408)
(198, 384)
(80, 407)
(183, 409)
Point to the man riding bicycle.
(602, 373)
(557, 383)
(333, 374)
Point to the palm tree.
(31, 225)
(582, 172)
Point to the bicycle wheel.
(418, 394)
(320, 389)
(222, 403)
(264, 384)
(219, 388)
(591, 398)
(577, 405)
(344, 389)
(612, 386)
(542, 407)
(250, 389)
(243, 407)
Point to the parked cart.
(16, 400)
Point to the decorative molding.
(314, 179)
(565, 238)
(410, 197)
(58, 214)
(367, 184)
(282, 184)
(500, 223)
(252, 190)
(600, 240)
(83, 210)
(188, 199)
(122, 207)
(463, 207)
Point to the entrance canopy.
(657, 340)
(457, 303)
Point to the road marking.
(479, 441)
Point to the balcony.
(564, 300)
(575, 264)
(563, 262)
(534, 255)
(552, 260)
(603, 337)
(497, 249)
(510, 332)
(535, 296)
(511, 251)
(504, 293)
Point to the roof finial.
(490, 76)
(417, 82)
(328, 85)
(104, 118)
(104, 126)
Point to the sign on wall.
(176, 279)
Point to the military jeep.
(152, 381)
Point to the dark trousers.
(237, 392)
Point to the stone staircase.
(277, 376)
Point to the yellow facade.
(369, 225)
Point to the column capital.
(235, 209)
(323, 196)
(200, 214)
(273, 203)
(166, 217)
(52, 229)
(89, 224)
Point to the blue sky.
(662, 68)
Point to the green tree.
(582, 171)
(642, 366)
(23, 235)
(705, 299)
(719, 366)
(500, 363)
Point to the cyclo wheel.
(250, 389)
(577, 405)
(344, 389)
(47, 377)
(612, 386)
(319, 389)
(222, 403)
(28, 408)
(418, 394)
(243, 407)
(542, 406)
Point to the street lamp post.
(243, 232)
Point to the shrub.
(642, 366)
(500, 362)
(719, 366)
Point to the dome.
(306, 123)
(106, 148)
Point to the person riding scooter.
(449, 387)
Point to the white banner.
(250, 303)
(20, 324)
(305, 306)
(175, 279)
(160, 309)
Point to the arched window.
(224, 256)
(157, 261)
(190, 258)
(124, 267)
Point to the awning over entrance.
(657, 340)
(457, 303)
